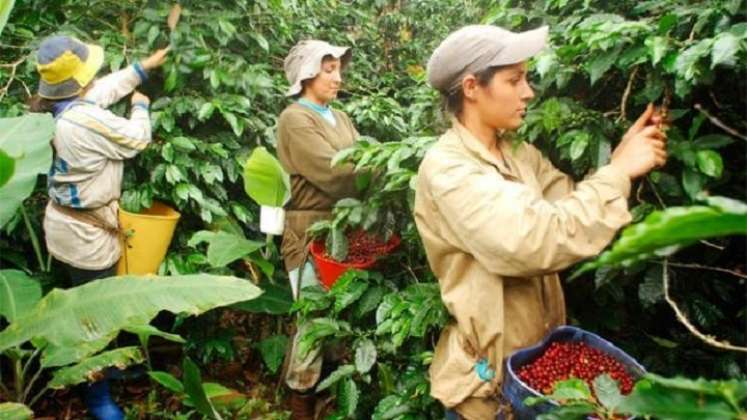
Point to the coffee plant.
(218, 98)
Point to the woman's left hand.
(156, 59)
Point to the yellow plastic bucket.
(146, 238)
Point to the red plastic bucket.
(330, 270)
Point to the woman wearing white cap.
(90, 146)
(309, 134)
(498, 221)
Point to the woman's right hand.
(643, 147)
(138, 97)
(156, 59)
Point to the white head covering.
(304, 61)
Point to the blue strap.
(142, 105)
(140, 71)
(61, 106)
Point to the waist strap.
(87, 216)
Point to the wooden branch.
(708, 339)
(626, 94)
(13, 67)
(710, 268)
(717, 122)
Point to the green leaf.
(152, 34)
(275, 300)
(7, 167)
(544, 63)
(145, 331)
(573, 411)
(55, 356)
(95, 310)
(233, 121)
(168, 381)
(265, 181)
(273, 351)
(353, 289)
(337, 244)
(319, 328)
(663, 342)
(170, 83)
(607, 391)
(26, 140)
(601, 64)
(657, 48)
(667, 22)
(710, 163)
(9, 410)
(680, 398)
(91, 369)
(693, 182)
(183, 144)
(5, 7)
(222, 396)
(570, 389)
(194, 389)
(651, 292)
(19, 293)
(686, 65)
(223, 247)
(206, 111)
(369, 301)
(261, 41)
(347, 397)
(725, 49)
(664, 231)
(712, 141)
(344, 371)
(365, 355)
(579, 145)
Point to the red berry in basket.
(363, 247)
(562, 361)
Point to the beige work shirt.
(496, 233)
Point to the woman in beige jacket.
(498, 221)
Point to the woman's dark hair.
(453, 102)
(38, 104)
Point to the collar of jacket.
(477, 149)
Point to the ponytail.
(38, 104)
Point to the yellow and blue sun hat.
(66, 65)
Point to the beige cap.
(477, 47)
(304, 61)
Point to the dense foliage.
(218, 98)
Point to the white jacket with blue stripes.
(91, 144)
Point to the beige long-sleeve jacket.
(495, 233)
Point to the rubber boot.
(99, 402)
(302, 405)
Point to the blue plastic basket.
(516, 391)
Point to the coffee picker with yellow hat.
(90, 147)
(499, 221)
